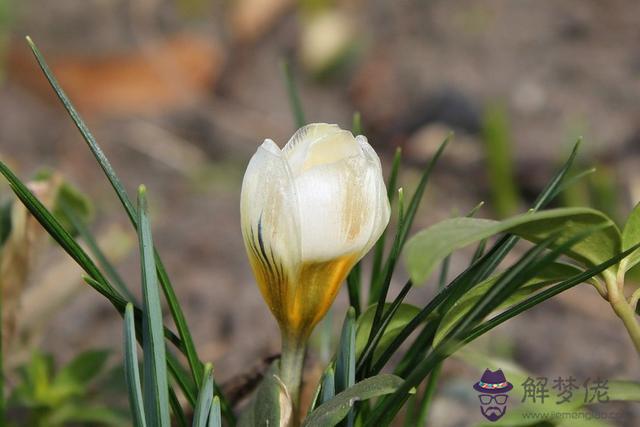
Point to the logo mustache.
(492, 410)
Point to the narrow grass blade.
(328, 386)
(62, 237)
(430, 390)
(514, 277)
(345, 376)
(131, 369)
(380, 287)
(367, 353)
(345, 361)
(178, 413)
(156, 387)
(174, 306)
(294, 97)
(423, 405)
(215, 420)
(555, 186)
(481, 269)
(182, 379)
(205, 398)
(354, 284)
(100, 256)
(545, 295)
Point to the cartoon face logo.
(493, 388)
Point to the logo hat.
(493, 382)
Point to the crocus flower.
(309, 212)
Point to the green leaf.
(176, 409)
(271, 404)
(545, 294)
(346, 359)
(630, 237)
(215, 420)
(432, 245)
(82, 369)
(78, 224)
(345, 375)
(156, 387)
(132, 373)
(62, 237)
(174, 306)
(554, 273)
(328, 389)
(404, 314)
(73, 200)
(332, 412)
(205, 398)
(380, 285)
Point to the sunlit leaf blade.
(335, 410)
(156, 398)
(631, 236)
(431, 245)
(176, 312)
(131, 369)
(215, 420)
(205, 398)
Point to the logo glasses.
(486, 399)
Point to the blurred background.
(180, 93)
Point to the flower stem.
(623, 309)
(291, 366)
(626, 313)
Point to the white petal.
(382, 209)
(269, 208)
(296, 149)
(338, 204)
